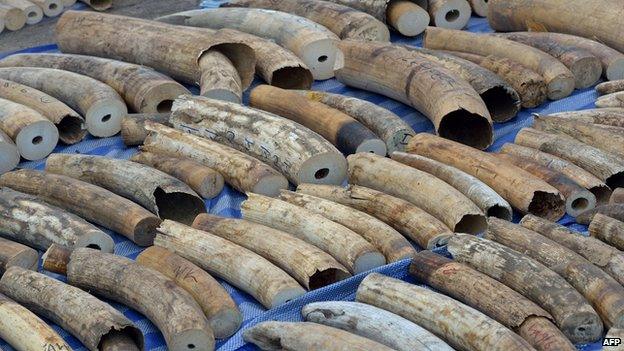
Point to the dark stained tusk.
(617, 197)
(615, 211)
(16, 254)
(133, 130)
(607, 229)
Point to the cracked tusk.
(133, 130)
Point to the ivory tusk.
(310, 266)
(84, 316)
(409, 220)
(343, 21)
(133, 130)
(585, 67)
(610, 87)
(479, 7)
(607, 116)
(9, 155)
(559, 79)
(604, 293)
(347, 247)
(314, 44)
(219, 78)
(529, 194)
(611, 100)
(608, 168)
(478, 192)
(343, 131)
(29, 220)
(50, 8)
(143, 89)
(607, 229)
(453, 14)
(529, 85)
(69, 123)
(34, 14)
(373, 323)
(224, 317)
(455, 109)
(617, 197)
(615, 211)
(160, 193)
(491, 297)
(117, 341)
(88, 201)
(55, 259)
(235, 264)
(16, 254)
(384, 123)
(304, 336)
(34, 135)
(24, 331)
(100, 105)
(205, 181)
(384, 238)
(463, 327)
(572, 313)
(243, 172)
(300, 154)
(12, 17)
(577, 198)
(582, 177)
(99, 5)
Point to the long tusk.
(12, 18)
(607, 229)
(347, 247)
(447, 318)
(609, 116)
(388, 241)
(133, 130)
(572, 314)
(491, 297)
(373, 323)
(16, 254)
(311, 42)
(310, 266)
(558, 77)
(409, 220)
(34, 135)
(529, 194)
(454, 107)
(223, 315)
(84, 316)
(9, 155)
(604, 293)
(585, 67)
(206, 182)
(617, 197)
(237, 265)
(577, 198)
(478, 192)
(162, 194)
(98, 5)
(615, 211)
(240, 170)
(453, 14)
(300, 154)
(69, 123)
(611, 100)
(99, 104)
(88, 201)
(29, 220)
(24, 331)
(610, 87)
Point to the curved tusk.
(393, 71)
(529, 194)
(98, 5)
(346, 133)
(572, 313)
(449, 319)
(133, 130)
(347, 247)
(237, 265)
(491, 297)
(478, 192)
(585, 67)
(12, 18)
(205, 181)
(609, 116)
(310, 266)
(240, 170)
(384, 238)
(607, 229)
(558, 77)
(577, 198)
(304, 336)
(34, 135)
(143, 89)
(88, 201)
(610, 87)
(420, 188)
(452, 14)
(297, 152)
(34, 13)
(373, 323)
(16, 254)
(29, 220)
(344, 21)
(409, 220)
(224, 317)
(9, 155)
(311, 42)
(69, 123)
(162, 194)
(100, 104)
(84, 316)
(617, 197)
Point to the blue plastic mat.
(228, 204)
